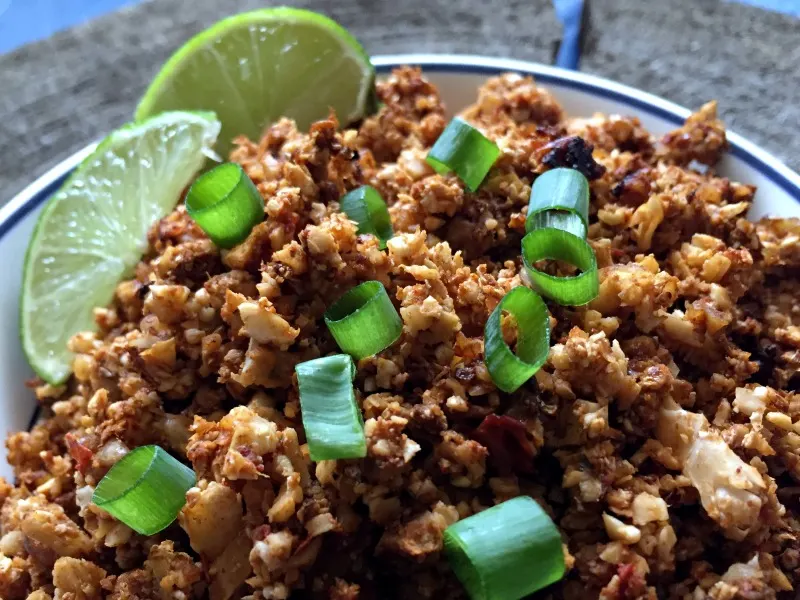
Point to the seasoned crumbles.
(662, 435)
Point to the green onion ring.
(364, 321)
(365, 206)
(557, 219)
(464, 150)
(559, 189)
(506, 552)
(145, 490)
(331, 418)
(226, 204)
(556, 244)
(509, 372)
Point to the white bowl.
(458, 78)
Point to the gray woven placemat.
(61, 93)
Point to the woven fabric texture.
(64, 92)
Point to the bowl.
(458, 78)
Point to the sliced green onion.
(556, 244)
(509, 372)
(558, 219)
(464, 150)
(365, 206)
(145, 490)
(226, 204)
(364, 321)
(559, 190)
(331, 418)
(505, 552)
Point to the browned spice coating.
(662, 435)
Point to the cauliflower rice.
(662, 435)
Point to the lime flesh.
(94, 229)
(251, 69)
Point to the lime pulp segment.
(93, 231)
(251, 69)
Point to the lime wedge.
(253, 68)
(94, 229)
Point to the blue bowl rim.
(760, 160)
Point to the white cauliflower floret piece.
(264, 325)
(77, 579)
(253, 433)
(740, 571)
(730, 489)
(749, 401)
(647, 508)
(619, 531)
(211, 517)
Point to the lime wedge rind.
(92, 232)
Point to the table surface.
(23, 21)
(73, 87)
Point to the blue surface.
(790, 7)
(569, 13)
(23, 21)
